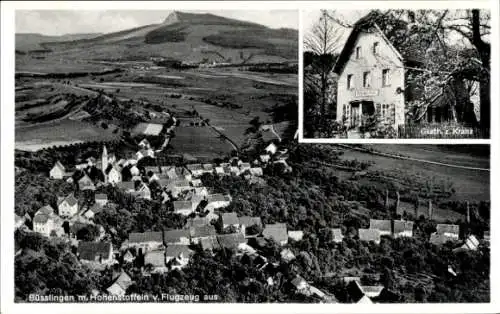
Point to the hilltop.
(187, 37)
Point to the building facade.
(371, 79)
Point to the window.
(350, 82)
(385, 77)
(358, 52)
(375, 48)
(366, 79)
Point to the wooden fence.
(437, 130)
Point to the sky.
(59, 22)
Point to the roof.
(402, 226)
(250, 221)
(138, 237)
(256, 171)
(155, 258)
(209, 243)
(176, 250)
(47, 210)
(203, 231)
(85, 182)
(297, 281)
(96, 208)
(59, 165)
(277, 232)
(40, 218)
(296, 234)
(245, 165)
(216, 198)
(230, 219)
(126, 185)
(447, 228)
(182, 205)
(197, 221)
(439, 239)
(230, 241)
(380, 224)
(365, 23)
(173, 236)
(101, 196)
(192, 167)
(337, 233)
(148, 128)
(369, 235)
(91, 251)
(208, 167)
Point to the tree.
(323, 40)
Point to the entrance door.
(355, 114)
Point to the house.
(144, 241)
(265, 158)
(372, 291)
(440, 239)
(471, 244)
(143, 153)
(101, 199)
(197, 183)
(448, 230)
(369, 235)
(134, 171)
(176, 236)
(230, 220)
(271, 149)
(92, 211)
(144, 144)
(208, 168)
(337, 236)
(19, 221)
(120, 285)
(201, 191)
(47, 223)
(153, 177)
(220, 171)
(287, 255)
(195, 169)
(382, 225)
(196, 222)
(202, 233)
(176, 186)
(235, 171)
(277, 232)
(58, 171)
(178, 255)
(231, 241)
(256, 172)
(174, 172)
(244, 166)
(296, 235)
(126, 186)
(95, 253)
(215, 201)
(143, 192)
(247, 221)
(85, 183)
(209, 244)
(183, 207)
(114, 175)
(68, 206)
(300, 284)
(156, 260)
(128, 257)
(371, 78)
(403, 228)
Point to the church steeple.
(104, 162)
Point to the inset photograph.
(405, 74)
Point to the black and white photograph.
(397, 74)
(154, 158)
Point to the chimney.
(468, 212)
(386, 204)
(430, 209)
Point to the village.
(208, 226)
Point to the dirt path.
(413, 159)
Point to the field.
(200, 142)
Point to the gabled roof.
(182, 205)
(140, 237)
(248, 221)
(59, 165)
(208, 167)
(277, 232)
(47, 210)
(403, 226)
(230, 241)
(126, 185)
(209, 243)
(216, 198)
(197, 221)
(439, 239)
(70, 200)
(41, 218)
(155, 258)
(173, 236)
(176, 250)
(369, 235)
(230, 219)
(337, 234)
(380, 224)
(447, 228)
(203, 231)
(192, 167)
(365, 24)
(91, 251)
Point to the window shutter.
(393, 114)
(378, 110)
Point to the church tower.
(105, 162)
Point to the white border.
(7, 171)
(493, 5)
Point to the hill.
(187, 37)
(27, 42)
